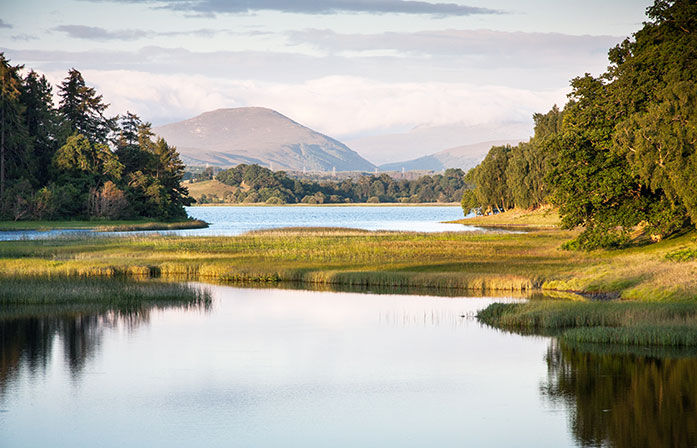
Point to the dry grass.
(457, 261)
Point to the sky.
(351, 69)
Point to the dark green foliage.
(516, 176)
(623, 153)
(259, 184)
(58, 163)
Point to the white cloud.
(340, 106)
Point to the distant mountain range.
(464, 157)
(228, 137)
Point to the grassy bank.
(103, 225)
(459, 261)
(543, 218)
(628, 323)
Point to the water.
(239, 219)
(278, 368)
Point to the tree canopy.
(74, 161)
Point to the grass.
(102, 225)
(209, 188)
(542, 218)
(22, 297)
(459, 261)
(629, 323)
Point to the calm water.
(237, 220)
(278, 368)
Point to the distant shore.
(348, 204)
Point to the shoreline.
(100, 226)
(348, 204)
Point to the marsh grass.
(103, 225)
(102, 292)
(480, 261)
(631, 323)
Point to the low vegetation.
(38, 295)
(464, 261)
(613, 322)
(103, 225)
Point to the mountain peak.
(230, 136)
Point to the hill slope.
(464, 157)
(227, 137)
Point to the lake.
(239, 219)
(277, 368)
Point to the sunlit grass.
(460, 261)
(632, 323)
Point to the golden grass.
(544, 217)
(453, 261)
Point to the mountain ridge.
(230, 136)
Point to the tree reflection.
(624, 399)
(27, 343)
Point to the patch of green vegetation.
(104, 292)
(616, 322)
(103, 225)
(463, 261)
(540, 218)
(682, 255)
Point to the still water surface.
(240, 219)
(278, 368)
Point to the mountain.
(464, 157)
(418, 142)
(228, 137)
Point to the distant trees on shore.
(257, 184)
(72, 161)
(623, 152)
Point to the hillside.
(227, 137)
(463, 157)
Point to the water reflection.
(27, 343)
(623, 399)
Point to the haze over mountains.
(228, 137)
(463, 157)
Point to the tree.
(13, 133)
(42, 123)
(84, 109)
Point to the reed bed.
(459, 261)
(107, 292)
(632, 323)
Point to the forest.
(257, 184)
(72, 161)
(621, 154)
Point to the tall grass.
(672, 324)
(111, 293)
(457, 261)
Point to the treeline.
(72, 161)
(256, 184)
(621, 155)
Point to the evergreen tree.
(84, 109)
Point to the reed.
(458, 261)
(633, 323)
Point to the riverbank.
(102, 225)
(477, 261)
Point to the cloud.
(98, 33)
(496, 44)
(4, 25)
(210, 7)
(340, 106)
